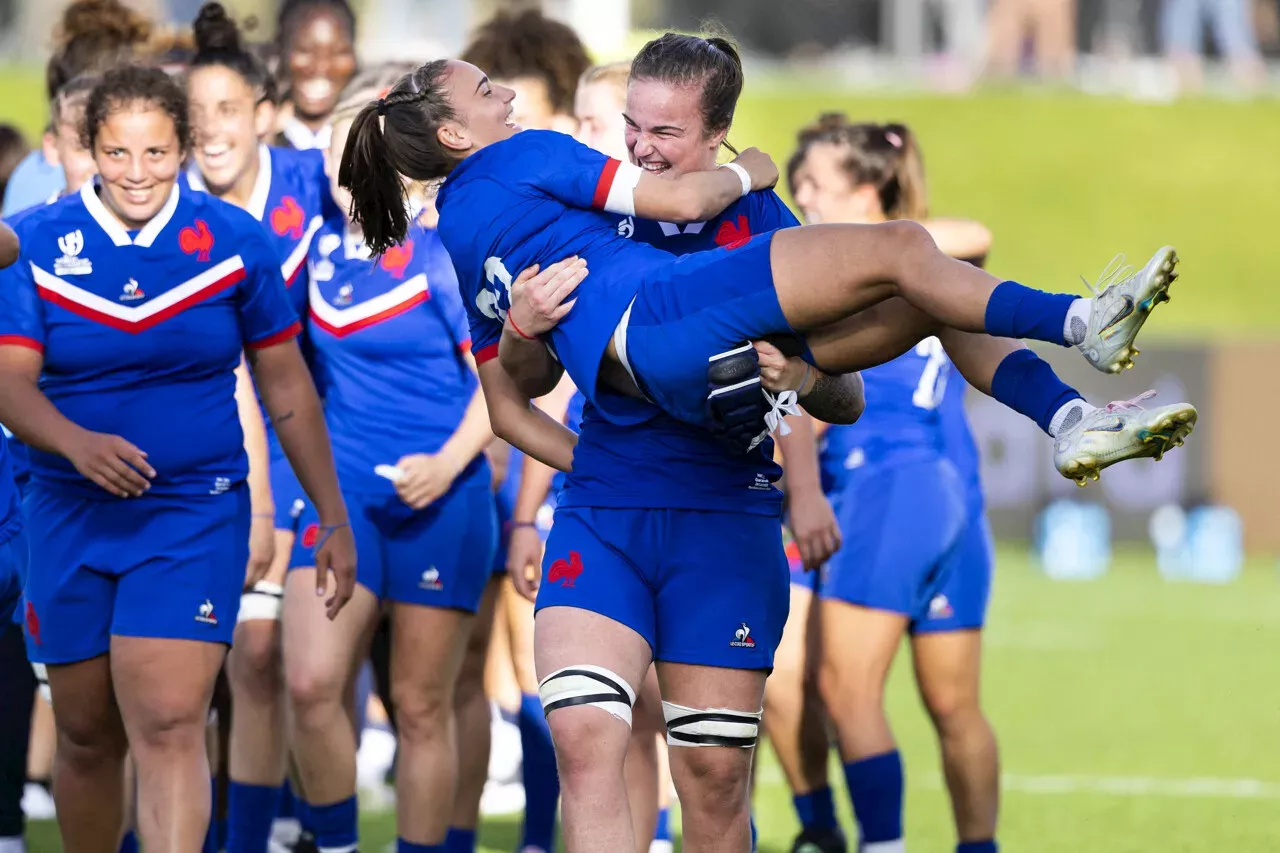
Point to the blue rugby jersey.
(903, 419)
(389, 337)
(141, 331)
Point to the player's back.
(902, 421)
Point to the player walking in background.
(409, 428)
(232, 105)
(121, 338)
(909, 493)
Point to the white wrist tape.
(742, 175)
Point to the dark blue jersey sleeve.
(575, 174)
(21, 315)
(267, 317)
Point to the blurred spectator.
(1233, 31)
(1050, 25)
(91, 36)
(13, 147)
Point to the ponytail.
(391, 139)
(904, 194)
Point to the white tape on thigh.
(711, 727)
(42, 678)
(587, 685)
(264, 602)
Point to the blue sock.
(541, 781)
(250, 812)
(403, 846)
(288, 802)
(662, 832)
(335, 825)
(129, 844)
(977, 847)
(217, 831)
(1027, 384)
(816, 809)
(875, 786)
(460, 840)
(755, 836)
(1015, 311)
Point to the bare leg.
(713, 782)
(165, 688)
(642, 761)
(948, 673)
(471, 710)
(88, 764)
(793, 715)
(591, 743)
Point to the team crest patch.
(71, 245)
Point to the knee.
(423, 712)
(468, 692)
(587, 744)
(254, 665)
(912, 242)
(953, 710)
(849, 690)
(89, 742)
(717, 779)
(172, 723)
(314, 691)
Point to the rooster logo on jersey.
(288, 218)
(196, 240)
(396, 259)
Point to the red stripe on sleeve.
(21, 341)
(488, 353)
(290, 331)
(605, 184)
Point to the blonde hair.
(615, 74)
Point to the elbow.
(503, 422)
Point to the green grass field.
(1062, 180)
(1132, 715)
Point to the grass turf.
(1132, 715)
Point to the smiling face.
(665, 133)
(824, 191)
(138, 155)
(321, 61)
(483, 110)
(227, 120)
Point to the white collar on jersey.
(257, 206)
(304, 138)
(112, 226)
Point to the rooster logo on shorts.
(566, 571)
(205, 614)
(742, 638)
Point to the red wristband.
(512, 321)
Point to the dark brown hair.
(92, 36)
(885, 156)
(529, 44)
(402, 141)
(13, 147)
(713, 64)
(218, 42)
(122, 87)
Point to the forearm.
(519, 423)
(472, 435)
(535, 485)
(30, 415)
(800, 456)
(255, 443)
(8, 245)
(691, 197)
(529, 363)
(294, 408)
(835, 399)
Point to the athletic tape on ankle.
(587, 685)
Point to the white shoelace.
(785, 403)
(1116, 406)
(1115, 271)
